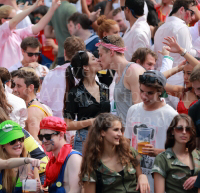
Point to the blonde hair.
(104, 25)
(5, 11)
(8, 182)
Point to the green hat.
(9, 131)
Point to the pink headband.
(111, 47)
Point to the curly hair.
(170, 141)
(94, 146)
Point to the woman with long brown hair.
(109, 164)
(176, 169)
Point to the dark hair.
(141, 54)
(136, 5)
(79, 60)
(94, 145)
(4, 75)
(182, 3)
(30, 42)
(152, 17)
(170, 141)
(29, 78)
(82, 19)
(43, 9)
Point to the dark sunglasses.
(12, 83)
(123, 7)
(47, 136)
(180, 129)
(14, 141)
(148, 79)
(191, 11)
(80, 53)
(106, 40)
(7, 17)
(31, 54)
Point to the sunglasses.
(47, 136)
(191, 11)
(14, 141)
(106, 40)
(148, 79)
(7, 17)
(12, 83)
(80, 53)
(180, 129)
(32, 54)
(123, 7)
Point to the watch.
(184, 52)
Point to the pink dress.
(10, 50)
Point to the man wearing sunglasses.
(152, 116)
(62, 171)
(31, 51)
(183, 12)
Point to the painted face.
(149, 95)
(72, 28)
(37, 17)
(118, 18)
(182, 132)
(189, 15)
(94, 64)
(196, 86)
(187, 71)
(20, 88)
(52, 143)
(114, 30)
(14, 150)
(149, 62)
(104, 58)
(30, 55)
(113, 134)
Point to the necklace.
(35, 99)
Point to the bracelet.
(184, 52)
(25, 160)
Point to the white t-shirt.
(158, 121)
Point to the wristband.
(184, 52)
(25, 160)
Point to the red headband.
(111, 47)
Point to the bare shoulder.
(74, 159)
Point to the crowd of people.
(100, 96)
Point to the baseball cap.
(9, 131)
(151, 76)
(53, 123)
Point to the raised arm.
(19, 17)
(45, 20)
(174, 47)
(108, 9)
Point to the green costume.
(113, 182)
(174, 171)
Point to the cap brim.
(10, 136)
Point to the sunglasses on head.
(47, 136)
(106, 40)
(180, 129)
(148, 79)
(191, 11)
(14, 141)
(32, 54)
(80, 53)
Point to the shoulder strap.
(99, 182)
(61, 175)
(46, 114)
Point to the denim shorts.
(79, 139)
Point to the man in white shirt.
(183, 12)
(148, 121)
(138, 35)
(30, 50)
